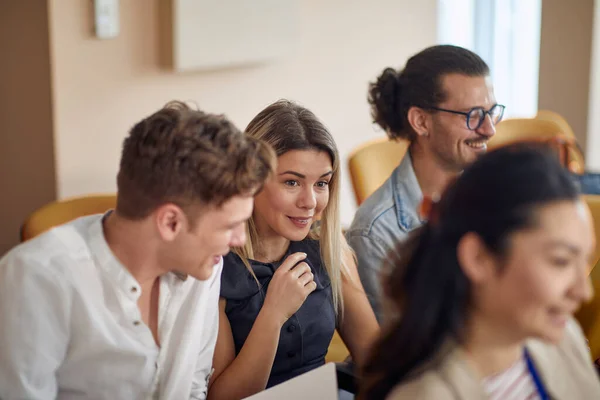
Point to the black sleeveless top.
(305, 337)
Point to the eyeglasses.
(476, 115)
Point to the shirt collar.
(407, 195)
(108, 262)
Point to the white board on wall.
(213, 34)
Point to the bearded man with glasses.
(443, 103)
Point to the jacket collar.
(466, 382)
(407, 195)
(548, 361)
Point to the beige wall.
(101, 87)
(565, 48)
(26, 145)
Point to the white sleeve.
(205, 356)
(34, 316)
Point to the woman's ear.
(476, 260)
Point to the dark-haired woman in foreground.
(487, 289)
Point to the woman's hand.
(291, 284)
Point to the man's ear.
(476, 260)
(419, 120)
(170, 221)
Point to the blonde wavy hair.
(286, 126)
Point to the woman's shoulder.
(233, 265)
(445, 376)
(237, 282)
(428, 385)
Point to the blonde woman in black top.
(291, 286)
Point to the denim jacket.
(385, 218)
(390, 213)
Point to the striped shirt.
(516, 383)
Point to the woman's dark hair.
(418, 84)
(429, 295)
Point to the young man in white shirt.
(125, 305)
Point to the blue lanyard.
(536, 378)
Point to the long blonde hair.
(288, 126)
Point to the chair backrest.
(337, 350)
(372, 163)
(516, 130)
(558, 119)
(589, 315)
(575, 154)
(63, 211)
(593, 202)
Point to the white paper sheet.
(318, 384)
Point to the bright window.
(506, 34)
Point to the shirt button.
(136, 323)
(291, 354)
(291, 328)
(133, 289)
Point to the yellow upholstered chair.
(589, 315)
(547, 115)
(372, 163)
(516, 130)
(337, 351)
(593, 202)
(558, 119)
(63, 211)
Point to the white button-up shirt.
(70, 326)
